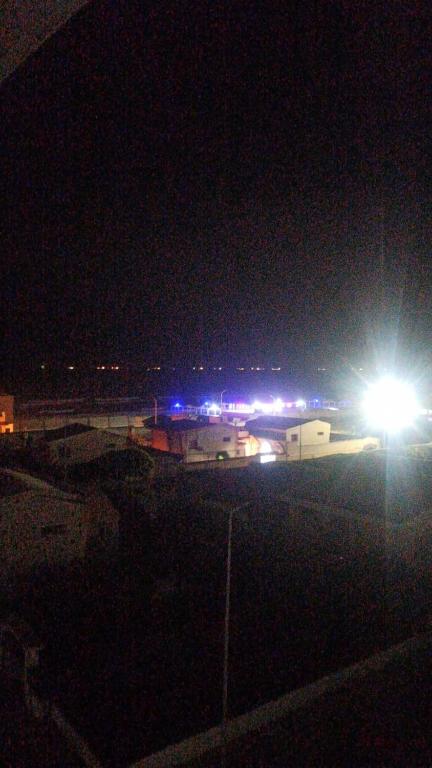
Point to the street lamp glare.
(390, 405)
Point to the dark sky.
(209, 181)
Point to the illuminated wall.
(6, 414)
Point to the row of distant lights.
(98, 368)
(220, 368)
(195, 368)
(159, 368)
(276, 406)
(107, 367)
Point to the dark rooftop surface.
(14, 482)
(369, 483)
(336, 437)
(70, 430)
(311, 594)
(10, 485)
(382, 721)
(276, 422)
(186, 425)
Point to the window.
(320, 433)
(64, 451)
(2, 416)
(193, 444)
(53, 530)
(294, 438)
(227, 440)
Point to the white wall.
(356, 445)
(212, 440)
(312, 433)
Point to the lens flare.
(391, 405)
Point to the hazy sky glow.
(186, 181)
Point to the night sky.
(210, 181)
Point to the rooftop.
(13, 483)
(276, 422)
(69, 430)
(186, 425)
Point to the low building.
(42, 525)
(79, 443)
(292, 439)
(276, 433)
(6, 414)
(198, 441)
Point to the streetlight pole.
(155, 410)
(231, 512)
(226, 638)
(300, 441)
(221, 395)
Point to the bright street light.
(390, 405)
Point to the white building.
(282, 431)
(79, 443)
(198, 441)
(42, 525)
(296, 438)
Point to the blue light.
(177, 405)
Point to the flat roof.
(12, 483)
(69, 430)
(187, 425)
(277, 422)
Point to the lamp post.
(300, 456)
(155, 410)
(390, 405)
(221, 395)
(231, 512)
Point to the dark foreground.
(134, 654)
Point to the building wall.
(42, 530)
(200, 444)
(38, 529)
(355, 445)
(159, 440)
(296, 451)
(312, 433)
(315, 432)
(6, 414)
(206, 443)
